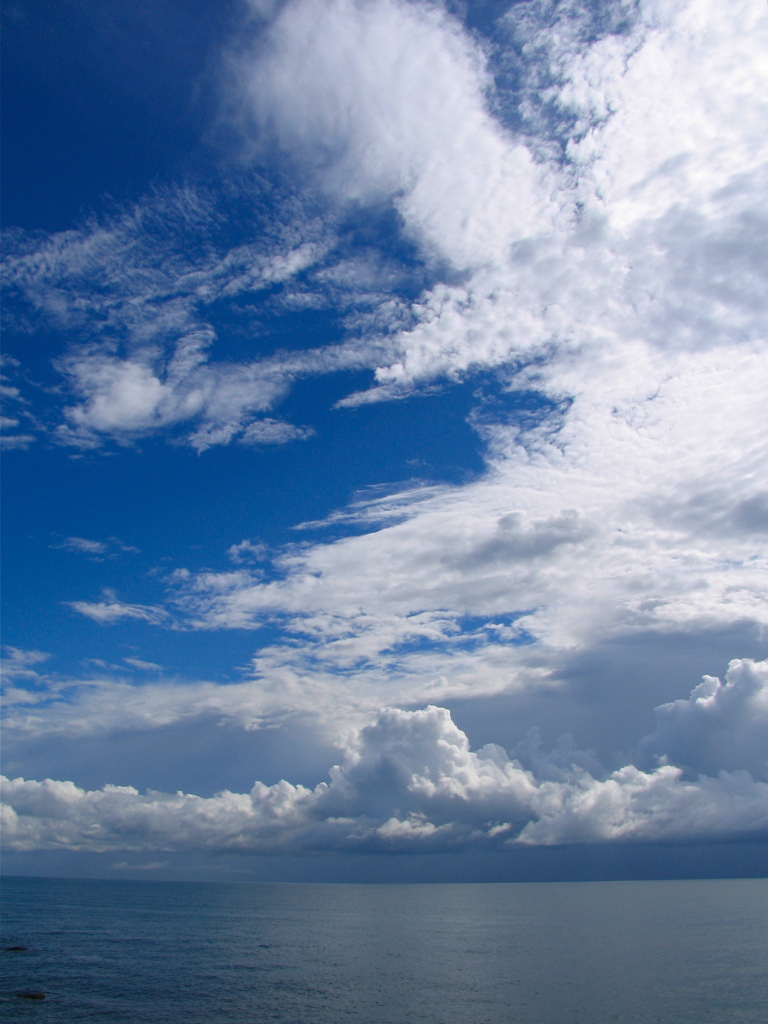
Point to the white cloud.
(10, 395)
(85, 546)
(648, 236)
(12, 441)
(110, 611)
(247, 550)
(662, 139)
(23, 684)
(17, 663)
(636, 518)
(268, 431)
(143, 666)
(721, 725)
(626, 288)
(409, 780)
(660, 806)
(128, 398)
(96, 549)
(388, 99)
(330, 683)
(591, 534)
(685, 267)
(137, 281)
(107, 702)
(640, 514)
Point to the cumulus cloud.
(408, 781)
(721, 725)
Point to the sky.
(386, 444)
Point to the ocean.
(517, 953)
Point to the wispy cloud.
(246, 550)
(18, 663)
(13, 402)
(624, 246)
(96, 549)
(111, 611)
(627, 248)
(269, 432)
(143, 666)
(133, 278)
(12, 441)
(84, 546)
(567, 535)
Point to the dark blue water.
(549, 953)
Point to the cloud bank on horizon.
(560, 211)
(409, 781)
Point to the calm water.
(549, 953)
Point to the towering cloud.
(721, 725)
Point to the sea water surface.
(528, 953)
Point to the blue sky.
(386, 468)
